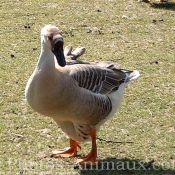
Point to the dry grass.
(135, 35)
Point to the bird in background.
(159, 1)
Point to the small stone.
(156, 62)
(12, 55)
(98, 10)
(154, 21)
(89, 31)
(76, 166)
(124, 17)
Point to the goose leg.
(147, 1)
(92, 156)
(68, 152)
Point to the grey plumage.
(98, 79)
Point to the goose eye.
(50, 37)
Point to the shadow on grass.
(166, 6)
(113, 166)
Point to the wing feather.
(97, 79)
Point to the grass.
(133, 34)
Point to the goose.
(79, 97)
(160, 1)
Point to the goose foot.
(92, 156)
(68, 152)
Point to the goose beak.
(58, 52)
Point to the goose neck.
(46, 59)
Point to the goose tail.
(131, 75)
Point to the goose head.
(52, 39)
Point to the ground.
(139, 139)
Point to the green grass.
(144, 125)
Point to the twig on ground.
(110, 141)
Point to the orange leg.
(92, 156)
(68, 152)
(147, 1)
(162, 1)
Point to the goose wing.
(98, 78)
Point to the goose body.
(79, 97)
